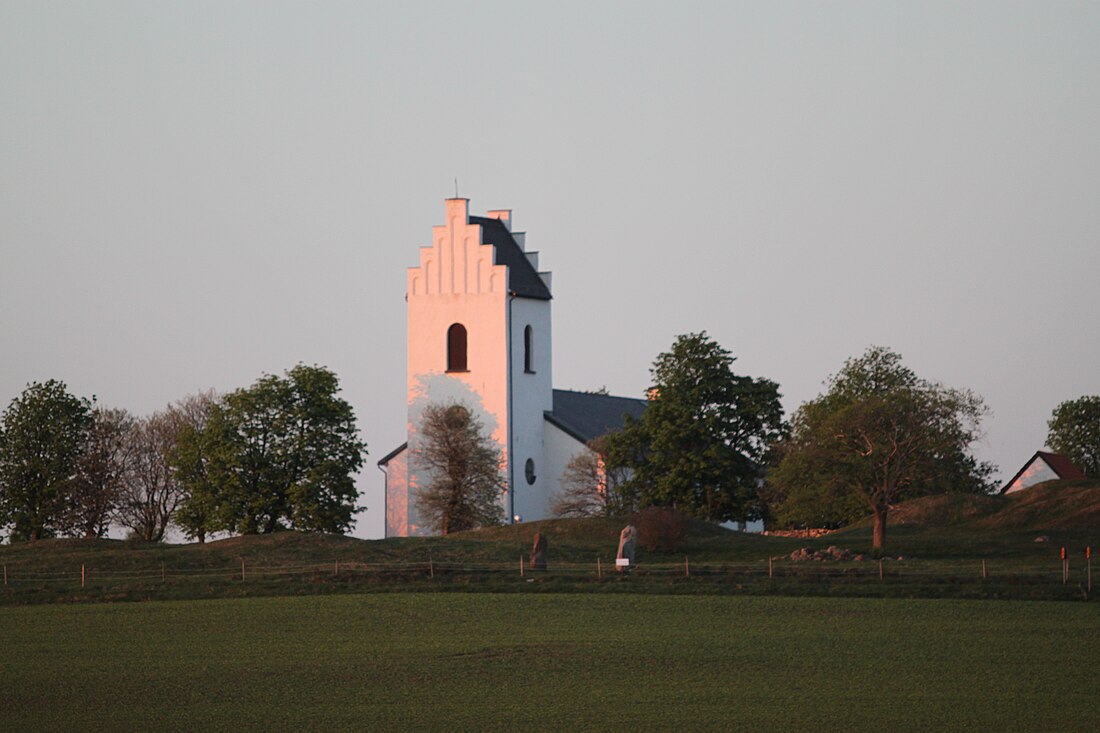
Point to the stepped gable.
(523, 279)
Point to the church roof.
(587, 416)
(523, 279)
(393, 454)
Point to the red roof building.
(1043, 467)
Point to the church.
(479, 334)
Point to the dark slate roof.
(587, 416)
(393, 454)
(1062, 466)
(523, 279)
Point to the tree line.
(714, 444)
(279, 454)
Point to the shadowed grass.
(549, 663)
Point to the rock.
(628, 540)
(538, 552)
(858, 558)
(1042, 538)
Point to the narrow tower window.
(456, 348)
(528, 350)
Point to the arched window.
(528, 350)
(456, 348)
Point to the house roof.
(1062, 466)
(583, 415)
(587, 416)
(523, 279)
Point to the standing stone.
(628, 538)
(538, 552)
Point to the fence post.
(431, 566)
(1088, 560)
(880, 568)
(521, 566)
(687, 568)
(6, 574)
(336, 567)
(242, 568)
(162, 572)
(769, 567)
(599, 570)
(82, 576)
(983, 570)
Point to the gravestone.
(538, 552)
(628, 539)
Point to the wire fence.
(17, 577)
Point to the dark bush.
(660, 528)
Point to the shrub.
(660, 528)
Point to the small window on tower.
(456, 348)
(529, 471)
(528, 350)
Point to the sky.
(193, 194)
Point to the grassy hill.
(1053, 505)
(943, 540)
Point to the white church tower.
(478, 334)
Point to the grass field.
(553, 662)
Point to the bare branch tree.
(150, 492)
(100, 473)
(466, 485)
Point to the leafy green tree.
(1074, 431)
(701, 442)
(42, 436)
(190, 459)
(879, 433)
(101, 473)
(465, 483)
(282, 453)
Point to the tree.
(1074, 431)
(279, 454)
(464, 465)
(700, 444)
(100, 473)
(150, 491)
(190, 459)
(42, 435)
(878, 433)
(589, 488)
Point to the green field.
(551, 662)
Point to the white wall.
(532, 396)
(560, 447)
(1036, 473)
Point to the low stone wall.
(803, 533)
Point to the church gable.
(523, 279)
(458, 262)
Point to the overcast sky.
(195, 193)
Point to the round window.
(529, 471)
